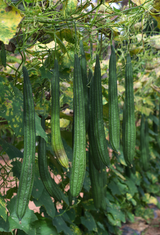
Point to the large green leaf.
(4, 225)
(116, 212)
(26, 222)
(89, 222)
(46, 201)
(38, 185)
(61, 225)
(132, 187)
(45, 227)
(11, 107)
(12, 151)
(39, 129)
(16, 169)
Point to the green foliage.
(48, 31)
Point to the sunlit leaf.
(138, 2)
(10, 17)
(69, 7)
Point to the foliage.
(48, 28)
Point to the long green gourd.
(100, 138)
(92, 139)
(83, 63)
(56, 139)
(28, 165)
(50, 185)
(79, 142)
(114, 120)
(98, 183)
(144, 143)
(129, 130)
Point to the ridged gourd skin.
(129, 131)
(28, 165)
(92, 140)
(79, 143)
(3, 55)
(144, 143)
(83, 63)
(114, 120)
(50, 185)
(56, 139)
(100, 138)
(98, 183)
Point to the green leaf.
(152, 177)
(117, 187)
(102, 232)
(110, 197)
(129, 198)
(89, 222)
(68, 98)
(38, 185)
(26, 223)
(45, 73)
(67, 137)
(46, 201)
(11, 107)
(116, 213)
(114, 189)
(132, 187)
(72, 214)
(75, 229)
(3, 211)
(10, 192)
(4, 225)
(11, 151)
(89, 205)
(68, 150)
(39, 129)
(130, 216)
(16, 169)
(61, 225)
(45, 227)
(121, 158)
(113, 221)
(100, 225)
(20, 232)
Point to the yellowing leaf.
(138, 2)
(69, 7)
(105, 8)
(121, 88)
(10, 17)
(156, 88)
(155, 41)
(156, 5)
(155, 11)
(150, 199)
(135, 50)
(64, 123)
